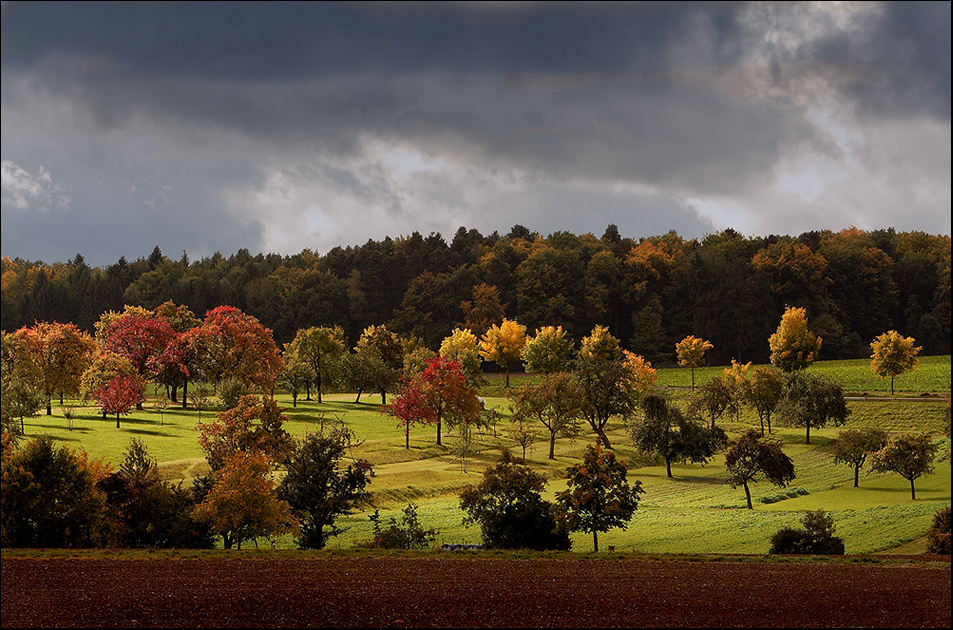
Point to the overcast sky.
(205, 127)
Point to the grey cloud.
(185, 114)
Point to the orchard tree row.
(234, 353)
(55, 497)
(648, 292)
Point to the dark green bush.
(817, 537)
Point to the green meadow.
(696, 512)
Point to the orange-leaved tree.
(242, 504)
(62, 353)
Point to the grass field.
(696, 512)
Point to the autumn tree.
(319, 488)
(241, 504)
(321, 349)
(509, 507)
(852, 447)
(893, 355)
(109, 368)
(21, 382)
(555, 402)
(232, 345)
(909, 455)
(665, 431)
(377, 361)
(550, 350)
(763, 393)
(691, 353)
(62, 353)
(463, 347)
(484, 310)
(411, 406)
(793, 346)
(715, 399)
(598, 496)
(141, 338)
(255, 424)
(503, 344)
(751, 457)
(119, 396)
(611, 380)
(813, 401)
(452, 398)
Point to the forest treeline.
(650, 292)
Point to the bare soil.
(471, 591)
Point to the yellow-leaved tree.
(691, 353)
(893, 355)
(503, 345)
(793, 346)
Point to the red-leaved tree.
(141, 339)
(411, 406)
(440, 394)
(120, 395)
(231, 344)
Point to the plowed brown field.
(470, 592)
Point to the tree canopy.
(598, 497)
(893, 355)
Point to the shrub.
(939, 535)
(511, 513)
(817, 537)
(790, 540)
(405, 533)
(49, 498)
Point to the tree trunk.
(185, 392)
(913, 492)
(668, 467)
(808, 439)
(407, 436)
(748, 495)
(552, 446)
(595, 540)
(438, 430)
(117, 421)
(856, 476)
(604, 438)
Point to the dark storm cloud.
(286, 125)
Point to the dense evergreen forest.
(651, 292)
